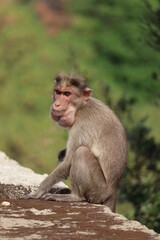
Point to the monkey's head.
(69, 94)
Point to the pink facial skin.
(62, 111)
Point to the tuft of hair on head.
(72, 79)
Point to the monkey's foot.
(49, 197)
(29, 196)
(61, 197)
(35, 195)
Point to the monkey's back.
(97, 127)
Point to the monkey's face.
(68, 97)
(63, 108)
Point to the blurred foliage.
(151, 25)
(27, 67)
(144, 174)
(112, 43)
(113, 29)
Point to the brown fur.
(96, 151)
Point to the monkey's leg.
(88, 181)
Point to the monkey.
(96, 153)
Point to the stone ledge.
(37, 219)
(17, 181)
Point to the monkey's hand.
(36, 195)
(61, 172)
(44, 188)
(29, 196)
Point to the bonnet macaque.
(96, 152)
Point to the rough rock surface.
(17, 181)
(37, 219)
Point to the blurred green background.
(116, 46)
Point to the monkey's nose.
(57, 104)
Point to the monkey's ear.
(86, 93)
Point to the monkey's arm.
(61, 172)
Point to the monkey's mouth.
(57, 113)
(62, 119)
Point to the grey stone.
(36, 219)
(17, 181)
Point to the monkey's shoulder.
(93, 107)
(97, 111)
(94, 118)
(98, 106)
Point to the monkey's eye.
(58, 92)
(67, 94)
